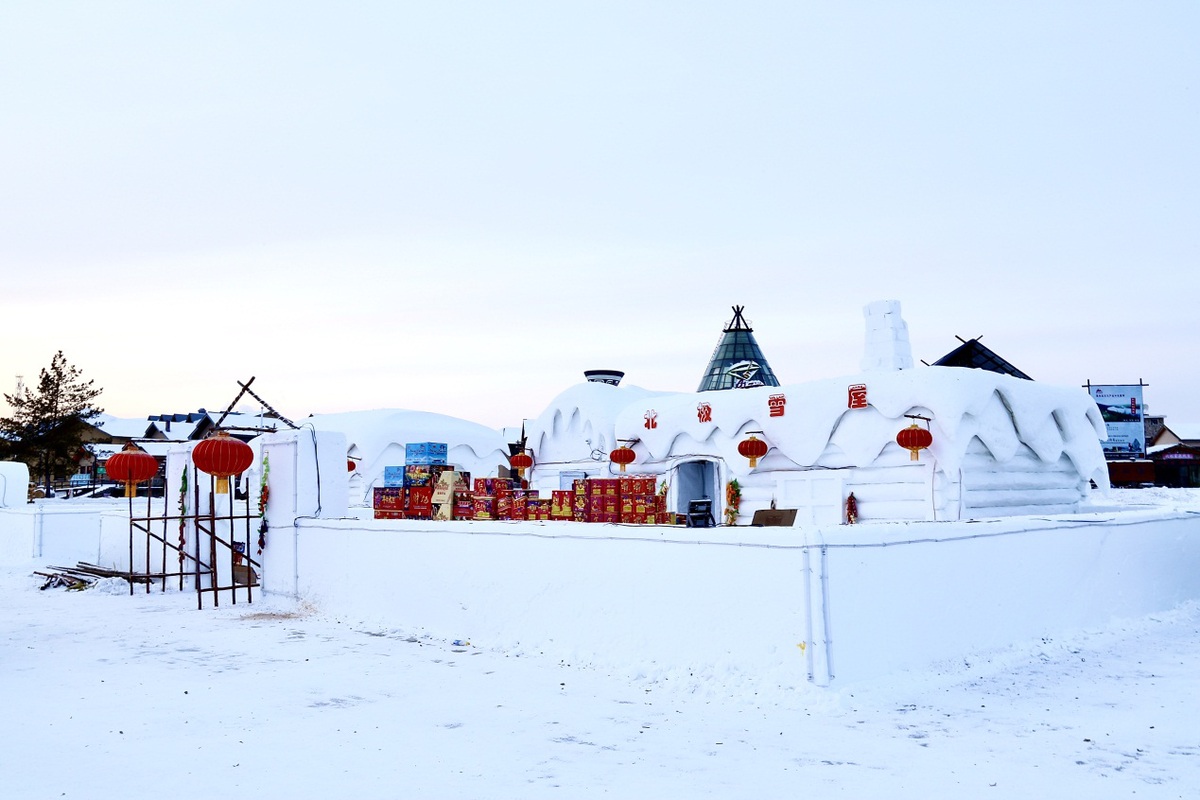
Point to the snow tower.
(738, 362)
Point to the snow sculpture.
(888, 347)
(14, 484)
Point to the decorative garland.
(183, 489)
(733, 501)
(264, 494)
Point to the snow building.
(998, 445)
(376, 440)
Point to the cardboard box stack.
(493, 498)
(639, 499)
(407, 491)
(451, 497)
(603, 500)
(427, 488)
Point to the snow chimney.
(887, 345)
(609, 376)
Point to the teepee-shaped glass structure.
(738, 362)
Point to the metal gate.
(212, 543)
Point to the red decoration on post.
(753, 449)
(131, 466)
(623, 456)
(914, 439)
(521, 462)
(222, 456)
(350, 465)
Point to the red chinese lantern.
(914, 439)
(131, 466)
(222, 456)
(623, 456)
(753, 449)
(521, 462)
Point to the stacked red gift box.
(389, 502)
(640, 503)
(407, 492)
(629, 499)
(492, 498)
(603, 499)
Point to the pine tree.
(43, 430)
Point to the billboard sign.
(1124, 419)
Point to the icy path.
(108, 696)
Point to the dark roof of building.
(737, 362)
(974, 355)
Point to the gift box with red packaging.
(464, 505)
(483, 507)
(562, 504)
(389, 498)
(420, 502)
(599, 487)
(604, 505)
(504, 506)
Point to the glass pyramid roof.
(737, 362)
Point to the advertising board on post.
(1124, 419)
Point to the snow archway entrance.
(697, 480)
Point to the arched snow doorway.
(697, 480)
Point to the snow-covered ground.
(107, 695)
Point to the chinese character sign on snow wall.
(856, 395)
(1124, 419)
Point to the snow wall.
(788, 606)
(785, 605)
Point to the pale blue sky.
(459, 207)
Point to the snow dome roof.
(818, 428)
(377, 438)
(1000, 411)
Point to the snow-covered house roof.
(121, 428)
(582, 420)
(817, 428)
(1188, 432)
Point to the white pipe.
(825, 612)
(38, 531)
(808, 623)
(295, 558)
